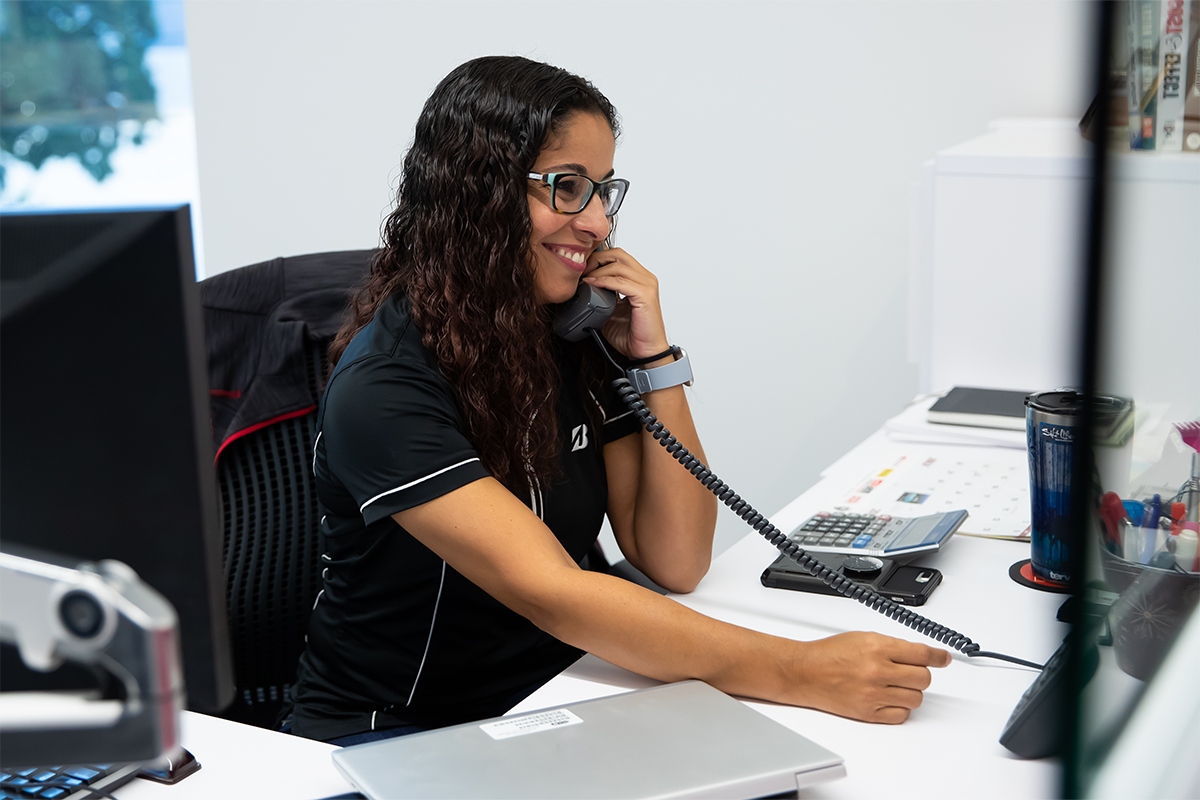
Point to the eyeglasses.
(570, 193)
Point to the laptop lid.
(679, 740)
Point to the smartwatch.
(674, 374)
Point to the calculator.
(877, 535)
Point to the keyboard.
(64, 783)
(876, 535)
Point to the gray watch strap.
(664, 377)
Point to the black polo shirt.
(397, 636)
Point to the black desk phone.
(1036, 727)
(582, 316)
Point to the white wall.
(771, 148)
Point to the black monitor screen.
(105, 446)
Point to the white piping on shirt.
(603, 416)
(315, 443)
(618, 416)
(432, 620)
(604, 420)
(414, 483)
(536, 501)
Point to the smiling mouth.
(570, 255)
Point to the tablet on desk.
(683, 739)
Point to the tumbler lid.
(1114, 415)
(1060, 401)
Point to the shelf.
(1025, 148)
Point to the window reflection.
(1142, 558)
(96, 106)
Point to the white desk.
(948, 748)
(240, 761)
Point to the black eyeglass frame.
(551, 179)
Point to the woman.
(466, 456)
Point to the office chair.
(268, 327)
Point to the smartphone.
(911, 584)
(907, 584)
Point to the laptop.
(680, 740)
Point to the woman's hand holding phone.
(636, 328)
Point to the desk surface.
(239, 761)
(948, 748)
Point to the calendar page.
(993, 487)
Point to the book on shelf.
(1147, 30)
(1133, 73)
(1191, 105)
(1172, 55)
(1161, 68)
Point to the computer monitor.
(105, 438)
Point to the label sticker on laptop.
(530, 723)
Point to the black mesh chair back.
(268, 328)
(272, 555)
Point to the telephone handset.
(589, 308)
(587, 312)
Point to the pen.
(1178, 510)
(1150, 513)
(1154, 510)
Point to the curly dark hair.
(458, 245)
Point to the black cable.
(829, 577)
(1009, 659)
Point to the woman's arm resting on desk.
(662, 517)
(492, 539)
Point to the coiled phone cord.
(746, 512)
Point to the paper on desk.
(911, 425)
(912, 480)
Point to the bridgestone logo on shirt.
(579, 438)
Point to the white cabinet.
(997, 257)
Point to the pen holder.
(1152, 609)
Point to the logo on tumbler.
(1058, 434)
